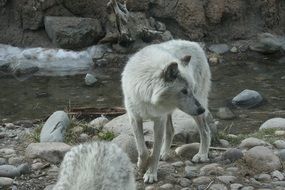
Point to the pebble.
(5, 181)
(232, 154)
(37, 166)
(274, 123)
(10, 126)
(211, 169)
(7, 152)
(236, 186)
(251, 142)
(9, 171)
(167, 186)
(247, 99)
(24, 168)
(191, 172)
(99, 122)
(90, 79)
(201, 180)
(277, 175)
(227, 179)
(218, 187)
(219, 48)
(184, 182)
(77, 130)
(224, 143)
(178, 164)
(83, 137)
(234, 49)
(263, 177)
(16, 160)
(280, 144)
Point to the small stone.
(37, 166)
(83, 137)
(232, 154)
(211, 169)
(279, 183)
(90, 79)
(225, 113)
(274, 123)
(77, 130)
(227, 179)
(188, 163)
(10, 126)
(99, 122)
(232, 170)
(280, 144)
(178, 164)
(167, 186)
(236, 186)
(16, 160)
(5, 182)
(53, 171)
(263, 177)
(150, 187)
(279, 133)
(187, 150)
(247, 99)
(214, 60)
(247, 188)
(224, 143)
(201, 180)
(9, 171)
(191, 172)
(219, 48)
(218, 187)
(7, 152)
(24, 168)
(232, 136)
(49, 187)
(251, 142)
(234, 49)
(184, 182)
(277, 175)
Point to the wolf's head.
(177, 90)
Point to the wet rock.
(184, 182)
(167, 186)
(51, 151)
(225, 113)
(178, 164)
(251, 142)
(90, 79)
(73, 32)
(280, 144)
(263, 178)
(236, 186)
(219, 48)
(218, 187)
(128, 144)
(5, 182)
(262, 159)
(201, 180)
(277, 175)
(211, 169)
(247, 99)
(9, 171)
(55, 127)
(227, 179)
(187, 150)
(281, 155)
(274, 123)
(267, 43)
(99, 122)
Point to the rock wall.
(22, 21)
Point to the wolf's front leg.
(168, 137)
(151, 174)
(205, 139)
(143, 154)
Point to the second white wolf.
(157, 80)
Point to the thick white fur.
(148, 96)
(96, 166)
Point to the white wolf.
(155, 81)
(96, 166)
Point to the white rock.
(251, 142)
(90, 79)
(55, 127)
(263, 177)
(277, 175)
(224, 143)
(280, 144)
(5, 181)
(279, 133)
(178, 164)
(236, 186)
(274, 123)
(262, 159)
(99, 122)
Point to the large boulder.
(247, 99)
(73, 32)
(252, 142)
(262, 159)
(274, 123)
(268, 43)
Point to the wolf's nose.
(200, 110)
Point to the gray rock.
(279, 183)
(9, 171)
(267, 43)
(188, 150)
(90, 79)
(3, 3)
(73, 32)
(7, 152)
(224, 143)
(234, 49)
(16, 160)
(191, 172)
(263, 178)
(262, 159)
(225, 113)
(24, 168)
(219, 48)
(55, 127)
(277, 175)
(280, 144)
(184, 182)
(274, 123)
(5, 182)
(150, 187)
(227, 179)
(281, 155)
(232, 154)
(201, 180)
(3, 161)
(51, 151)
(211, 169)
(37, 166)
(128, 144)
(178, 164)
(218, 187)
(99, 122)
(167, 186)
(83, 137)
(49, 187)
(247, 99)
(247, 188)
(251, 142)
(236, 186)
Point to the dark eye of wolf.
(184, 91)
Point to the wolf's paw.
(200, 158)
(164, 156)
(150, 177)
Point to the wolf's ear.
(171, 72)
(185, 60)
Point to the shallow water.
(38, 97)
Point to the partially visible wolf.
(155, 81)
(96, 166)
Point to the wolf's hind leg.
(168, 137)
(205, 139)
(151, 174)
(143, 154)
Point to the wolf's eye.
(184, 91)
